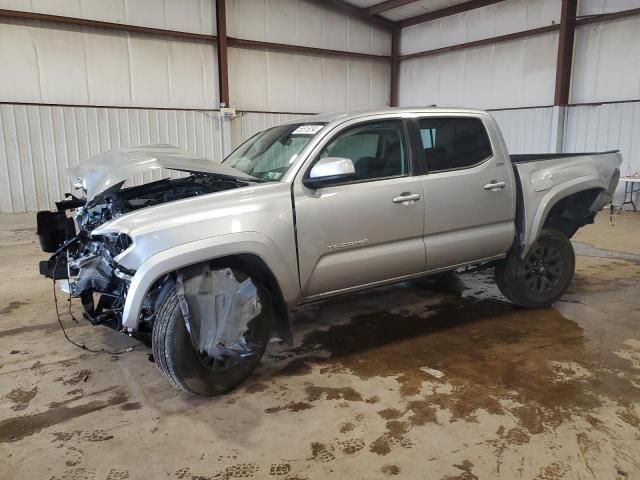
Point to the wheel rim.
(543, 268)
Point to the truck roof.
(352, 114)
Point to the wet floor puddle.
(536, 366)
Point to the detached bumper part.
(53, 228)
(47, 269)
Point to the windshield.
(269, 154)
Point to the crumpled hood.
(112, 168)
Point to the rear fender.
(535, 220)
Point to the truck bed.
(544, 179)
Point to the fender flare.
(174, 258)
(550, 199)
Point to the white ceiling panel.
(363, 3)
(413, 9)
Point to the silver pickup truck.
(205, 264)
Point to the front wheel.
(540, 278)
(194, 371)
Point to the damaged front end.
(85, 263)
(85, 267)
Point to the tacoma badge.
(354, 243)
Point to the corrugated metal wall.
(606, 127)
(49, 63)
(38, 143)
(492, 21)
(44, 62)
(299, 22)
(196, 16)
(527, 130)
(587, 128)
(606, 64)
(301, 82)
(305, 83)
(521, 73)
(509, 74)
(517, 73)
(159, 80)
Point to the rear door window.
(450, 143)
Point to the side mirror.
(329, 170)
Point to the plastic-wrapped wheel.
(540, 278)
(196, 372)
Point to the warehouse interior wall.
(300, 82)
(518, 73)
(69, 92)
(515, 79)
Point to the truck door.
(469, 190)
(368, 228)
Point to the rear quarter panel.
(546, 182)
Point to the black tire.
(500, 282)
(190, 371)
(541, 278)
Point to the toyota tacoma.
(205, 263)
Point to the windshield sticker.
(271, 175)
(307, 130)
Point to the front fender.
(198, 251)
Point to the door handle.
(406, 197)
(494, 186)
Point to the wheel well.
(254, 266)
(572, 212)
(250, 264)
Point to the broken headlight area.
(86, 269)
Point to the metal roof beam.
(282, 47)
(83, 22)
(602, 17)
(356, 12)
(446, 12)
(388, 5)
(485, 41)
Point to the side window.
(377, 149)
(452, 143)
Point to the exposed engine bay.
(86, 265)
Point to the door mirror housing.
(328, 171)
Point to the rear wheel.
(194, 371)
(542, 276)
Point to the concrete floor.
(544, 394)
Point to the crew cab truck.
(205, 267)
